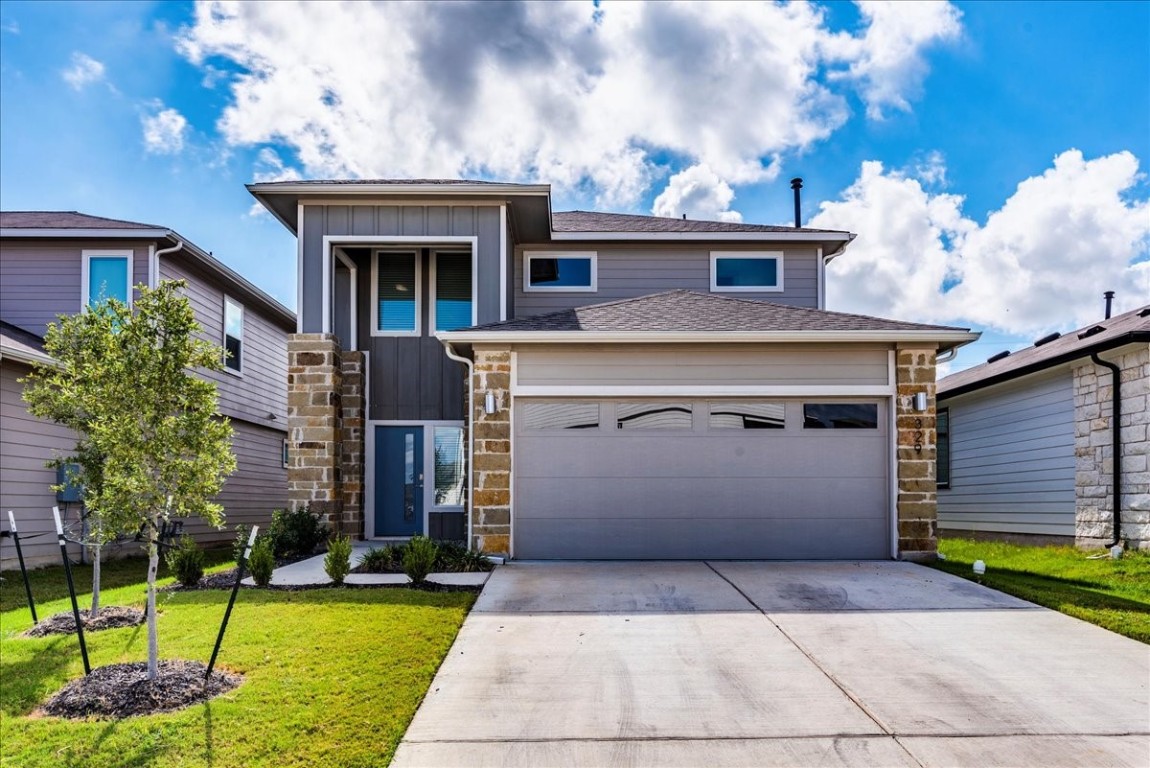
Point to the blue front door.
(398, 481)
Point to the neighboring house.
(54, 263)
(1026, 440)
(640, 387)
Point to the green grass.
(1114, 594)
(332, 676)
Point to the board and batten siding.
(40, 280)
(262, 388)
(632, 270)
(1012, 458)
(26, 443)
(712, 364)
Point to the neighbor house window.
(395, 306)
(840, 416)
(453, 301)
(560, 271)
(752, 271)
(285, 455)
(747, 416)
(653, 416)
(233, 335)
(942, 423)
(560, 416)
(450, 466)
(107, 275)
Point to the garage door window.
(747, 416)
(840, 416)
(541, 416)
(653, 416)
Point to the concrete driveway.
(776, 664)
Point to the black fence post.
(71, 589)
(23, 570)
(232, 600)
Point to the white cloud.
(164, 131)
(585, 98)
(84, 71)
(699, 193)
(1039, 263)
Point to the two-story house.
(471, 365)
(55, 263)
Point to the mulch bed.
(112, 617)
(123, 690)
(222, 580)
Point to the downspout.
(452, 355)
(156, 259)
(946, 356)
(1116, 441)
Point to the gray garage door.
(694, 479)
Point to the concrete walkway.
(310, 573)
(775, 664)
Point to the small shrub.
(382, 559)
(337, 561)
(296, 534)
(186, 561)
(262, 562)
(419, 558)
(241, 542)
(454, 557)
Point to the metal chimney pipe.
(796, 185)
(1109, 296)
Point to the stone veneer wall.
(491, 474)
(917, 490)
(352, 431)
(1094, 462)
(315, 383)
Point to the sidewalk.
(310, 573)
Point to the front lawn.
(1114, 594)
(333, 676)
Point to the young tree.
(151, 443)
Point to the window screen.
(397, 292)
(840, 416)
(452, 291)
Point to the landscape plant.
(262, 562)
(382, 559)
(186, 560)
(124, 377)
(296, 533)
(419, 558)
(337, 561)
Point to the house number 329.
(918, 435)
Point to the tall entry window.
(395, 305)
(107, 275)
(453, 298)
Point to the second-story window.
(233, 335)
(453, 300)
(107, 275)
(395, 306)
(574, 272)
(750, 271)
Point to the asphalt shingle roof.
(1077, 343)
(687, 311)
(380, 182)
(64, 220)
(14, 337)
(592, 221)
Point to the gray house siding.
(1012, 458)
(39, 281)
(626, 271)
(26, 443)
(262, 388)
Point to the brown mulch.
(123, 690)
(111, 617)
(222, 580)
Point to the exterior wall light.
(920, 402)
(490, 405)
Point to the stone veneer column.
(917, 447)
(1094, 462)
(314, 429)
(491, 474)
(352, 430)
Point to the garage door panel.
(700, 497)
(685, 539)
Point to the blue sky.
(991, 156)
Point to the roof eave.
(8, 352)
(1132, 337)
(89, 233)
(801, 237)
(941, 337)
(442, 190)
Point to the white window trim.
(224, 334)
(375, 255)
(776, 255)
(431, 294)
(85, 273)
(592, 256)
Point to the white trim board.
(704, 390)
(942, 336)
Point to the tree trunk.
(153, 639)
(95, 582)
